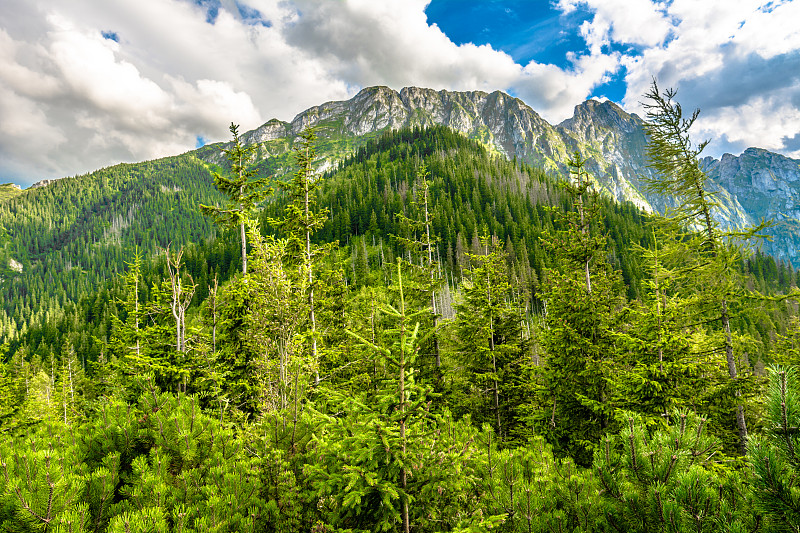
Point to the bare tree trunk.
(309, 268)
(244, 247)
(181, 298)
(212, 296)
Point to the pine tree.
(775, 455)
(535, 490)
(43, 481)
(666, 480)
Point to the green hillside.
(428, 336)
(74, 236)
(8, 191)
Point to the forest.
(425, 337)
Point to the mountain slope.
(64, 240)
(768, 187)
(9, 190)
(612, 141)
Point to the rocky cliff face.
(767, 186)
(757, 184)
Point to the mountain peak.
(612, 141)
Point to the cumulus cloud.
(638, 22)
(737, 60)
(84, 85)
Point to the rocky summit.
(756, 185)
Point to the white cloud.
(736, 60)
(639, 22)
(72, 101)
(766, 119)
(77, 101)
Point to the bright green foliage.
(275, 327)
(150, 520)
(419, 242)
(389, 461)
(262, 356)
(243, 192)
(372, 492)
(145, 343)
(168, 464)
(10, 395)
(775, 455)
(283, 436)
(536, 491)
(195, 471)
(300, 221)
(579, 335)
(8, 191)
(660, 367)
(664, 480)
(787, 347)
(709, 257)
(42, 482)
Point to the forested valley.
(424, 337)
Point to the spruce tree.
(10, 394)
(300, 221)
(384, 460)
(582, 298)
(243, 192)
(489, 341)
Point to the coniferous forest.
(423, 337)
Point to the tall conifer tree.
(243, 192)
(300, 221)
(713, 254)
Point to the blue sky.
(85, 84)
(526, 30)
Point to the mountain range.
(756, 185)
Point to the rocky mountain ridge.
(758, 184)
